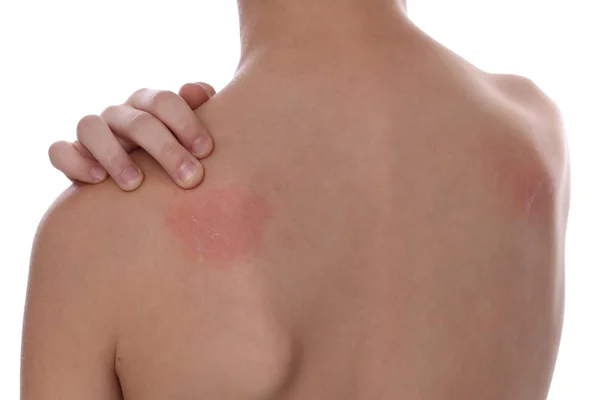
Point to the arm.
(69, 337)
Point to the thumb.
(197, 93)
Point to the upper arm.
(68, 333)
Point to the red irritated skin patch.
(221, 225)
(531, 189)
(526, 182)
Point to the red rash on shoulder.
(531, 188)
(219, 225)
(526, 181)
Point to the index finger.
(173, 111)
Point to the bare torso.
(369, 228)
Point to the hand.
(161, 122)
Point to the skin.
(395, 222)
(220, 226)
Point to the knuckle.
(156, 99)
(86, 125)
(137, 94)
(110, 110)
(116, 161)
(169, 150)
(139, 121)
(186, 128)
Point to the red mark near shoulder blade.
(526, 180)
(221, 225)
(531, 189)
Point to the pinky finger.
(65, 157)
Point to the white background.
(61, 60)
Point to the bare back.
(369, 228)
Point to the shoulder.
(102, 215)
(527, 94)
(90, 232)
(541, 128)
(539, 113)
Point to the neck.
(268, 26)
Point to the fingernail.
(210, 92)
(98, 174)
(199, 147)
(187, 171)
(130, 175)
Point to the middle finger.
(172, 110)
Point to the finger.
(209, 89)
(170, 109)
(82, 150)
(127, 145)
(65, 157)
(96, 136)
(154, 137)
(197, 93)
